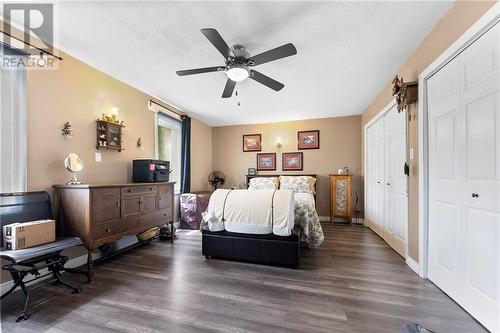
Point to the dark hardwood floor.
(353, 283)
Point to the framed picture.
(252, 142)
(308, 139)
(252, 171)
(292, 162)
(266, 161)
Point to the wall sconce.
(66, 131)
(114, 113)
(139, 144)
(278, 143)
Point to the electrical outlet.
(98, 157)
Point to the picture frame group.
(293, 161)
(290, 161)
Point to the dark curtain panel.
(186, 155)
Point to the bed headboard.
(288, 174)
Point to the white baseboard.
(354, 220)
(413, 264)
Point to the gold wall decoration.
(406, 92)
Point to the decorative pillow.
(264, 183)
(298, 184)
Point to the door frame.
(481, 26)
(379, 115)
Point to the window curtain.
(186, 154)
(13, 120)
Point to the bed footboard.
(261, 249)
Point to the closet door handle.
(388, 183)
(475, 195)
(406, 169)
(378, 182)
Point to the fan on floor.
(239, 63)
(216, 178)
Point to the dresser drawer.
(132, 225)
(106, 230)
(142, 189)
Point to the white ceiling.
(347, 51)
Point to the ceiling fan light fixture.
(238, 73)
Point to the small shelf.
(109, 135)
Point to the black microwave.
(149, 171)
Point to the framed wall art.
(308, 139)
(266, 161)
(292, 162)
(252, 142)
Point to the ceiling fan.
(239, 63)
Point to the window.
(13, 157)
(169, 146)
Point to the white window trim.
(177, 187)
(15, 117)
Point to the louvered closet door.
(464, 179)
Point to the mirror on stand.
(74, 164)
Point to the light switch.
(98, 157)
(412, 155)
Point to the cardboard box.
(28, 234)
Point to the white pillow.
(298, 184)
(264, 183)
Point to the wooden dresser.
(341, 196)
(100, 214)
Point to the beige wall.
(79, 94)
(340, 145)
(201, 155)
(458, 19)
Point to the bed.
(273, 234)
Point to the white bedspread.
(251, 211)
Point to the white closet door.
(379, 173)
(375, 174)
(387, 199)
(464, 179)
(396, 197)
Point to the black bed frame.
(261, 249)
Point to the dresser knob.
(108, 230)
(117, 204)
(165, 214)
(130, 190)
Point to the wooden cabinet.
(165, 197)
(340, 196)
(100, 214)
(109, 135)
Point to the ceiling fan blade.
(199, 70)
(229, 88)
(274, 54)
(215, 38)
(266, 80)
